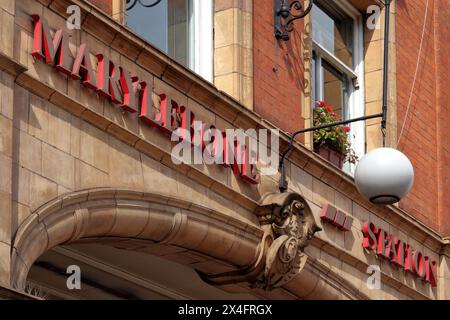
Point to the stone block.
(301, 182)
(94, 146)
(5, 264)
(6, 136)
(21, 184)
(42, 191)
(87, 176)
(5, 217)
(30, 151)
(157, 177)
(20, 108)
(59, 123)
(58, 166)
(5, 174)
(7, 34)
(125, 160)
(8, 95)
(322, 193)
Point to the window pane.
(151, 23)
(334, 90)
(179, 30)
(166, 25)
(333, 30)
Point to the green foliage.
(335, 138)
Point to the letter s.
(369, 230)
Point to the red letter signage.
(133, 96)
(56, 50)
(398, 253)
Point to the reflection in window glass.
(148, 22)
(179, 30)
(165, 25)
(333, 30)
(334, 90)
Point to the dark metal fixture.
(130, 4)
(282, 183)
(285, 13)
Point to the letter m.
(55, 49)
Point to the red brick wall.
(278, 71)
(105, 5)
(425, 138)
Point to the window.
(179, 28)
(338, 65)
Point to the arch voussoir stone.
(126, 214)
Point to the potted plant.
(331, 143)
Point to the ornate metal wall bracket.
(130, 4)
(289, 226)
(285, 13)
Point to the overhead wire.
(415, 74)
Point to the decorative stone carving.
(292, 225)
(289, 225)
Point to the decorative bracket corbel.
(289, 225)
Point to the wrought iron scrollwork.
(285, 15)
(130, 4)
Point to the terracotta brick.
(425, 138)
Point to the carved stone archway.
(121, 215)
(267, 256)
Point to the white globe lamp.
(384, 176)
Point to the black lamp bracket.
(283, 183)
(130, 4)
(285, 13)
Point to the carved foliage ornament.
(292, 225)
(289, 226)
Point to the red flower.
(329, 109)
(321, 104)
(333, 114)
(346, 129)
(322, 114)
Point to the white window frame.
(201, 53)
(356, 103)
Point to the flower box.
(336, 158)
(332, 142)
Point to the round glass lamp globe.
(384, 176)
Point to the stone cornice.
(146, 56)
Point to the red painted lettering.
(56, 50)
(431, 272)
(108, 79)
(82, 68)
(129, 86)
(369, 232)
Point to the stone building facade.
(85, 182)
